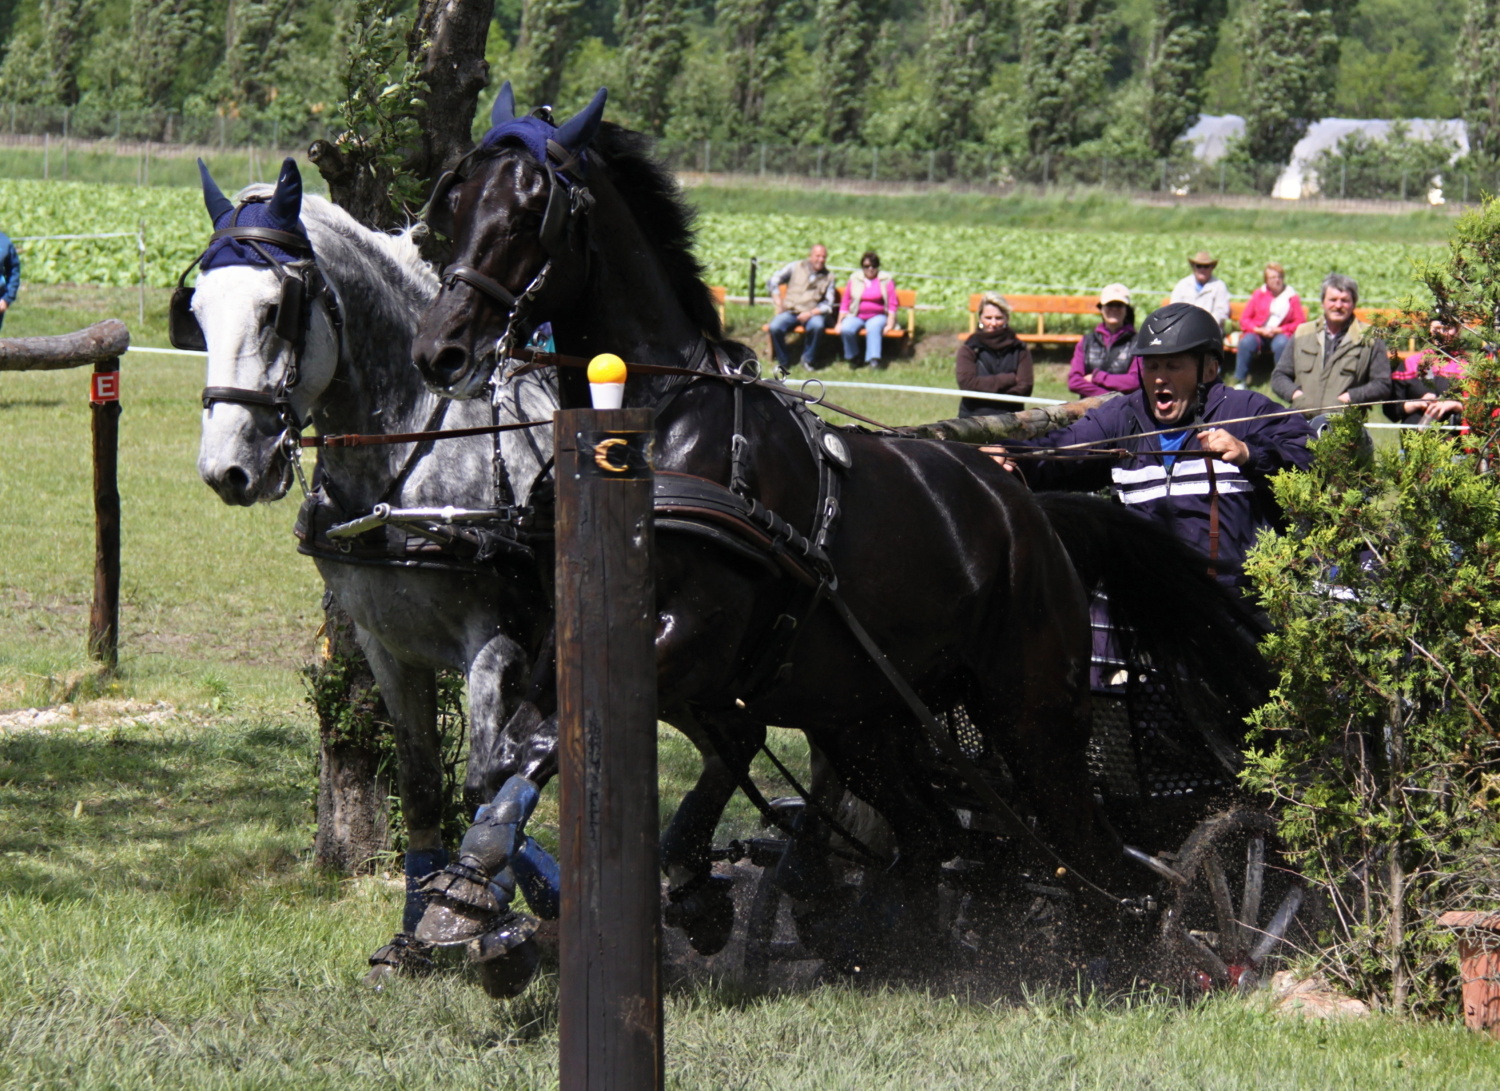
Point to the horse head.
(272, 350)
(514, 208)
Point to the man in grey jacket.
(10, 274)
(810, 298)
(1337, 359)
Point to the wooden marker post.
(609, 1009)
(102, 345)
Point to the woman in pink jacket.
(869, 304)
(1271, 317)
(1102, 362)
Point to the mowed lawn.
(161, 926)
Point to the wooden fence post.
(101, 345)
(104, 615)
(609, 1008)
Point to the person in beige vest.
(809, 300)
(1335, 360)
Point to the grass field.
(161, 926)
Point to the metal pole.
(104, 613)
(931, 165)
(1403, 183)
(140, 242)
(754, 275)
(874, 163)
(609, 935)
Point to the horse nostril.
(234, 486)
(446, 368)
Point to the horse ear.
(286, 202)
(214, 200)
(575, 133)
(505, 106)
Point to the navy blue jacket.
(1181, 497)
(10, 269)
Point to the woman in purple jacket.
(1104, 363)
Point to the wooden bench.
(906, 299)
(1041, 306)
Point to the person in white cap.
(1202, 288)
(1103, 362)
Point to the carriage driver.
(1215, 504)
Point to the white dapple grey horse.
(429, 581)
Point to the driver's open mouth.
(1164, 400)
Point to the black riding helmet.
(1180, 327)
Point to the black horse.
(952, 568)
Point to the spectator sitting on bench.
(1104, 362)
(1269, 320)
(810, 296)
(1337, 359)
(869, 304)
(1425, 401)
(1202, 288)
(993, 360)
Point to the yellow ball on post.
(607, 368)
(607, 374)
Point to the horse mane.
(654, 197)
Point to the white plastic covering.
(1210, 137)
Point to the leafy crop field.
(944, 262)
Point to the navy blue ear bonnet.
(283, 212)
(535, 135)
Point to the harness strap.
(475, 279)
(242, 396)
(950, 749)
(1213, 515)
(354, 439)
(284, 239)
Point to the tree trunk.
(353, 816)
(447, 41)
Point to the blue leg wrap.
(539, 878)
(498, 826)
(418, 865)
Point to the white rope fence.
(139, 235)
(940, 391)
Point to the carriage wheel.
(1227, 913)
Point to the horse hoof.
(460, 906)
(507, 976)
(502, 937)
(705, 911)
(404, 956)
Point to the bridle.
(302, 283)
(568, 203)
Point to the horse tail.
(1166, 607)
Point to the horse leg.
(410, 695)
(699, 900)
(497, 676)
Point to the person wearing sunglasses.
(1202, 288)
(868, 306)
